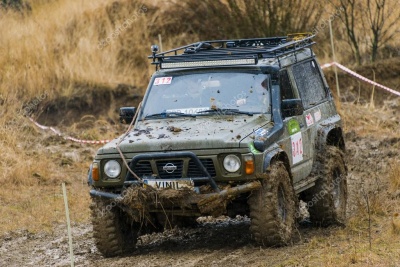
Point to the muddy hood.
(190, 134)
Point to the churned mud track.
(214, 243)
(218, 242)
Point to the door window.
(287, 91)
(309, 82)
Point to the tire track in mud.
(215, 242)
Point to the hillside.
(72, 64)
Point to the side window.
(286, 87)
(309, 82)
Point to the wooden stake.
(71, 251)
(371, 104)
(160, 41)
(334, 60)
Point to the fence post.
(71, 252)
(334, 59)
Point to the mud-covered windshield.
(198, 94)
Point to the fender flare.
(277, 153)
(332, 135)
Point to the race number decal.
(297, 147)
(162, 80)
(309, 120)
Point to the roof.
(230, 52)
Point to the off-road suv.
(226, 127)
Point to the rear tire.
(113, 231)
(273, 208)
(327, 200)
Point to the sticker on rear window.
(162, 80)
(317, 115)
(309, 120)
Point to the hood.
(202, 132)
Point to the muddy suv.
(228, 127)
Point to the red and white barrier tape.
(323, 67)
(68, 137)
(360, 77)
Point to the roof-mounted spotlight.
(154, 50)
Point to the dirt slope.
(227, 242)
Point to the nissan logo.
(169, 168)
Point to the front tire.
(272, 208)
(327, 200)
(113, 231)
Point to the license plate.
(173, 184)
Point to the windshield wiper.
(226, 111)
(169, 114)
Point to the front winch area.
(140, 201)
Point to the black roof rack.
(240, 49)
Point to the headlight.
(231, 163)
(112, 168)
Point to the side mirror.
(126, 114)
(292, 107)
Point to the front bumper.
(181, 202)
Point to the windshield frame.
(183, 72)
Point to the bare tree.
(274, 17)
(381, 16)
(349, 19)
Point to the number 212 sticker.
(297, 147)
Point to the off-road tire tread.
(323, 212)
(113, 233)
(266, 227)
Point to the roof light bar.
(209, 63)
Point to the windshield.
(201, 93)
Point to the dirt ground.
(227, 242)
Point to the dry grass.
(40, 208)
(394, 176)
(37, 55)
(48, 51)
(56, 47)
(370, 121)
(57, 44)
(31, 177)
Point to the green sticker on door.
(293, 126)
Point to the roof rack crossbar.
(272, 47)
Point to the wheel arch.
(331, 136)
(278, 155)
(335, 138)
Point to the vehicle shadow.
(227, 234)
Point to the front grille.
(170, 169)
(194, 171)
(143, 168)
(165, 173)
